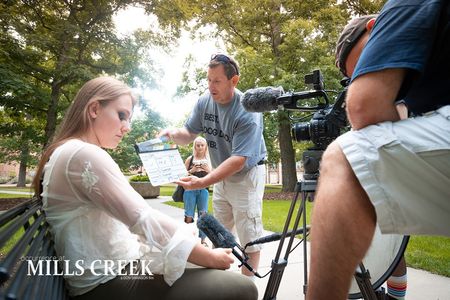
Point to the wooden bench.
(25, 232)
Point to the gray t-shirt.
(229, 130)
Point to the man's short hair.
(230, 65)
(349, 37)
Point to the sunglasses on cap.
(225, 60)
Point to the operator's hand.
(180, 136)
(191, 182)
(166, 133)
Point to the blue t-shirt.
(229, 130)
(415, 35)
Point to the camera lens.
(300, 132)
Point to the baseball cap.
(348, 38)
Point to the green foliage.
(21, 122)
(5, 179)
(48, 49)
(362, 7)
(276, 43)
(193, 79)
(271, 137)
(139, 178)
(185, 151)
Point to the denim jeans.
(197, 198)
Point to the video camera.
(325, 125)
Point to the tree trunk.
(57, 84)
(288, 168)
(24, 153)
(50, 127)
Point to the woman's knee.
(203, 282)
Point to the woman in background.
(197, 164)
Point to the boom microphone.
(261, 99)
(222, 238)
(276, 237)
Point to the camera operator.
(347, 55)
(386, 171)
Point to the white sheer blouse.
(95, 215)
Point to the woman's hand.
(218, 258)
(221, 258)
(199, 168)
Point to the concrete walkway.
(422, 285)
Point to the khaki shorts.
(237, 204)
(404, 167)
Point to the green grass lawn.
(15, 189)
(428, 253)
(167, 190)
(18, 189)
(6, 196)
(11, 242)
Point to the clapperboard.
(162, 161)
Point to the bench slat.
(16, 223)
(19, 248)
(21, 280)
(38, 291)
(11, 213)
(35, 242)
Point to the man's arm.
(181, 136)
(227, 168)
(371, 97)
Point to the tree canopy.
(48, 48)
(276, 44)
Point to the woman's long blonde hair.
(201, 139)
(76, 121)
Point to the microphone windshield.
(216, 232)
(222, 238)
(261, 99)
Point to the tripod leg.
(305, 248)
(362, 277)
(278, 265)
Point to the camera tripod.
(362, 276)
